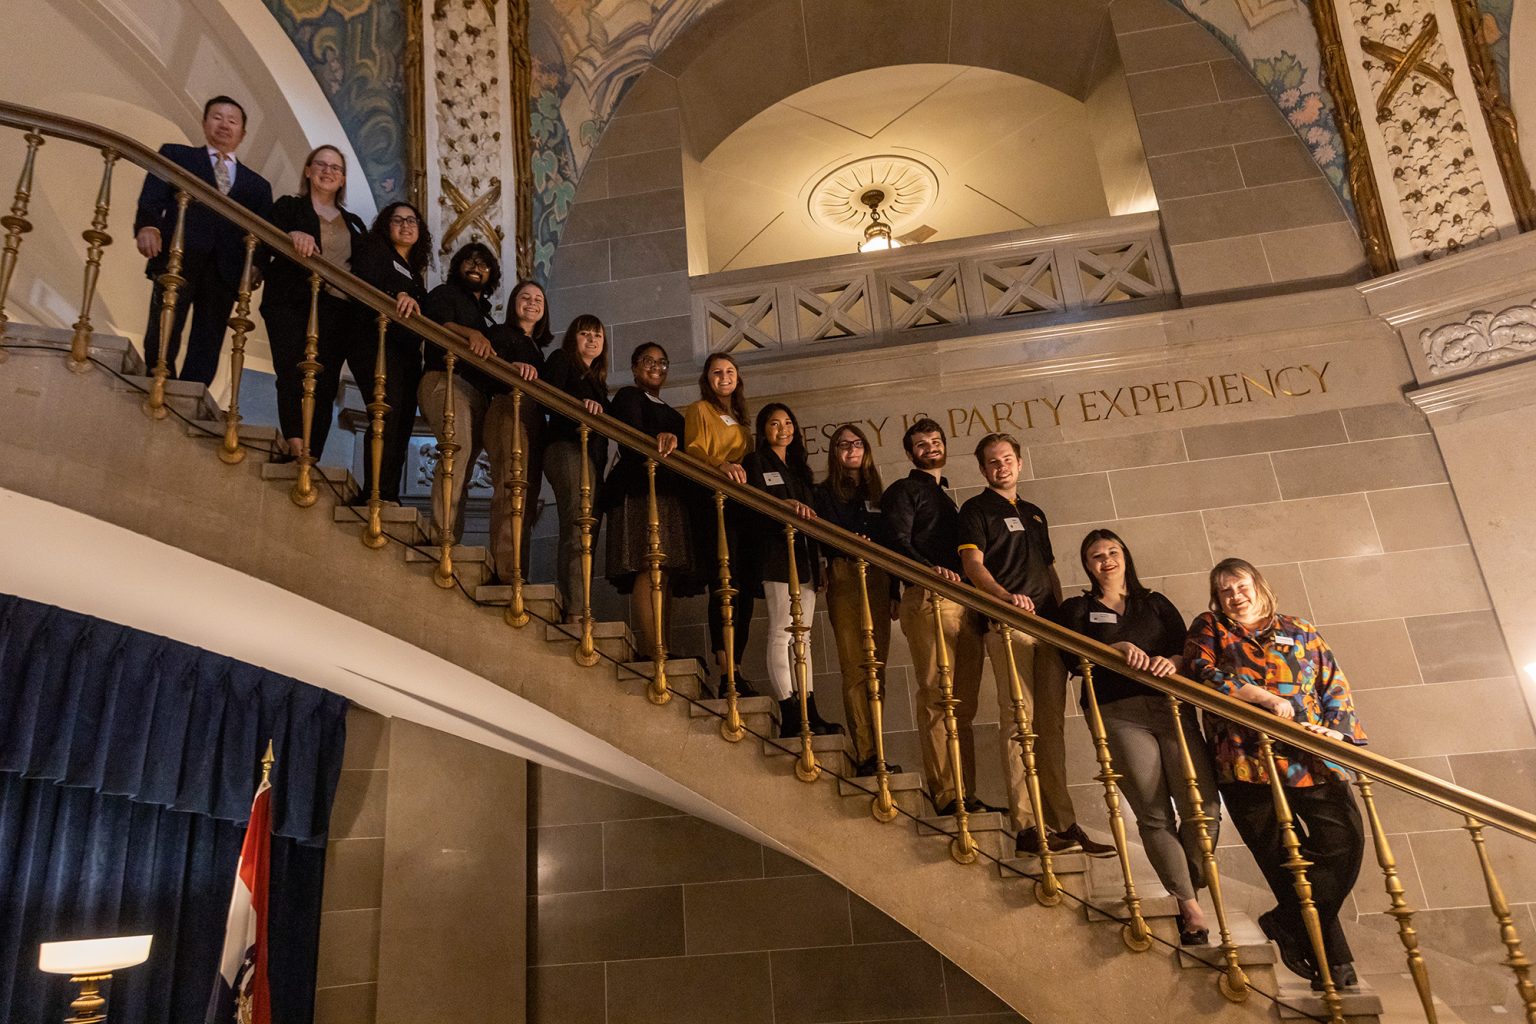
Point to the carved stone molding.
(1480, 338)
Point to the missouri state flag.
(241, 994)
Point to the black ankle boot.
(820, 726)
(789, 718)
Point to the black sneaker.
(1076, 839)
(1343, 976)
(1027, 844)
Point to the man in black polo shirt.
(1005, 549)
(923, 524)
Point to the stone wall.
(639, 913)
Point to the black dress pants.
(340, 326)
(209, 299)
(402, 376)
(1332, 838)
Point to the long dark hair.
(542, 334)
(846, 483)
(598, 370)
(738, 399)
(420, 256)
(1133, 584)
(795, 456)
(493, 280)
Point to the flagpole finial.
(266, 764)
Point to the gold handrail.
(1485, 810)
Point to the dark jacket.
(651, 416)
(287, 283)
(452, 303)
(205, 234)
(377, 263)
(567, 374)
(764, 537)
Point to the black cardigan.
(770, 553)
(287, 283)
(651, 416)
(567, 374)
(377, 263)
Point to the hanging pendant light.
(877, 235)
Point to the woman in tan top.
(716, 430)
(319, 225)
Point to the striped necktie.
(221, 174)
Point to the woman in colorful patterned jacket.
(1244, 648)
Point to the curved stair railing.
(1477, 811)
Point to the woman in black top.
(393, 257)
(319, 225)
(522, 340)
(1149, 632)
(778, 465)
(580, 369)
(850, 497)
(626, 497)
(462, 305)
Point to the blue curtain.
(127, 767)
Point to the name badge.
(1014, 524)
(1284, 641)
(727, 420)
(655, 398)
(773, 479)
(402, 268)
(870, 506)
(1103, 617)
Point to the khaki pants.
(965, 657)
(847, 613)
(477, 424)
(1043, 684)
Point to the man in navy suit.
(214, 249)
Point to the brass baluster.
(516, 614)
(96, 240)
(1232, 982)
(883, 806)
(170, 284)
(1516, 961)
(731, 728)
(586, 648)
(304, 493)
(231, 452)
(962, 847)
(1048, 887)
(16, 224)
(447, 448)
(373, 533)
(655, 558)
(1136, 935)
(806, 768)
(1400, 910)
(1297, 865)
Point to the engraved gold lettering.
(1178, 390)
(878, 429)
(1286, 389)
(1002, 412)
(1090, 413)
(1139, 393)
(1249, 384)
(1230, 389)
(1161, 396)
(1319, 374)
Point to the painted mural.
(586, 54)
(356, 50)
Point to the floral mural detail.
(1285, 79)
(356, 51)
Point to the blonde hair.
(1229, 568)
(341, 193)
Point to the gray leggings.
(1146, 753)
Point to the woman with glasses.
(319, 225)
(850, 497)
(393, 257)
(626, 498)
(580, 369)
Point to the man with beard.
(924, 524)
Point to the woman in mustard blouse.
(716, 431)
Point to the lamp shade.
(93, 956)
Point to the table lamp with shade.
(89, 962)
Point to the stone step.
(262, 439)
(1253, 948)
(983, 821)
(1065, 865)
(113, 350)
(613, 639)
(471, 562)
(1297, 1001)
(765, 706)
(542, 600)
(685, 676)
(340, 476)
(789, 746)
(902, 782)
(350, 515)
(188, 398)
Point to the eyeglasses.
(403, 222)
(476, 261)
(332, 168)
(654, 364)
(848, 446)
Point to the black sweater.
(287, 283)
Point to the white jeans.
(781, 658)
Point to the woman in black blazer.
(393, 257)
(319, 225)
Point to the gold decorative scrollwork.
(471, 212)
(1408, 62)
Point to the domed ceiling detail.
(909, 187)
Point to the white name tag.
(1103, 617)
(773, 479)
(1284, 641)
(655, 398)
(402, 268)
(870, 506)
(1014, 524)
